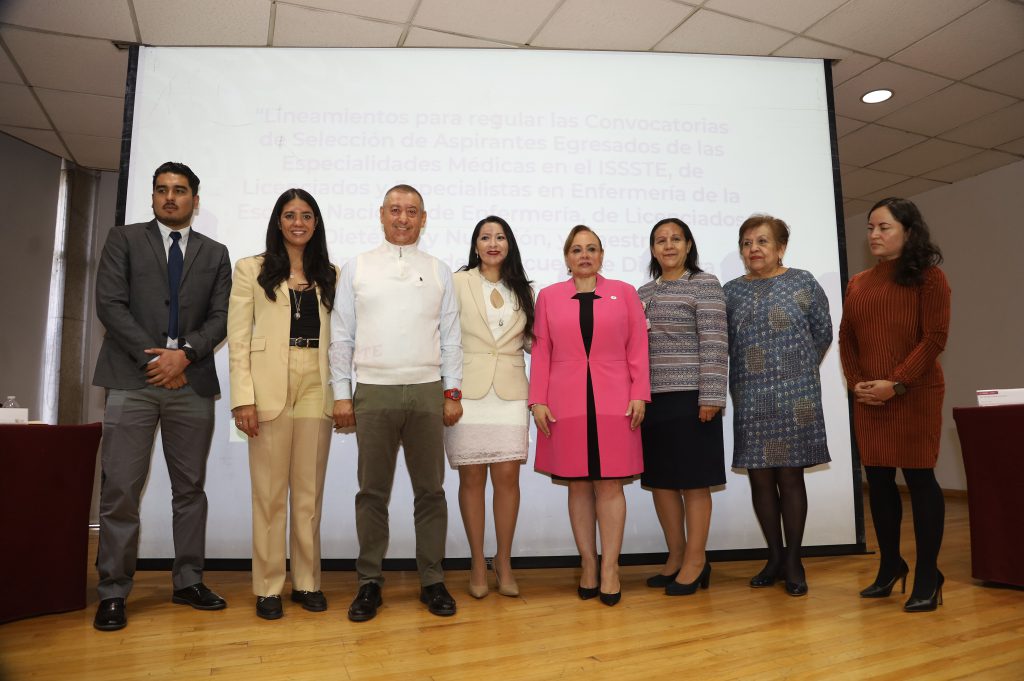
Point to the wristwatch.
(453, 394)
(190, 353)
(899, 388)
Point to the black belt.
(304, 342)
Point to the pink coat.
(618, 368)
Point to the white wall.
(979, 225)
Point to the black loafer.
(199, 597)
(269, 607)
(110, 615)
(365, 605)
(439, 602)
(314, 601)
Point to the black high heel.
(797, 588)
(877, 590)
(927, 604)
(587, 592)
(660, 581)
(703, 580)
(611, 599)
(765, 578)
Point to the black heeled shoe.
(798, 588)
(877, 590)
(926, 604)
(661, 581)
(765, 578)
(611, 599)
(703, 580)
(587, 592)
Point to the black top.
(307, 325)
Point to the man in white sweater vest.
(396, 323)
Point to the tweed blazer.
(488, 361)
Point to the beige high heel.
(510, 590)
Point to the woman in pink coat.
(589, 383)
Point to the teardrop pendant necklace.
(297, 302)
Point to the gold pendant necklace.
(297, 300)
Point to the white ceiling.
(956, 66)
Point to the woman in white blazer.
(496, 304)
(278, 336)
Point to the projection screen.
(544, 139)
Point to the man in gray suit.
(162, 294)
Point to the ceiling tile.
(864, 181)
(711, 33)
(884, 27)
(872, 142)
(63, 63)
(611, 24)
(8, 74)
(845, 170)
(793, 15)
(225, 22)
(392, 10)
(844, 126)
(46, 140)
(946, 109)
(514, 22)
(854, 207)
(83, 114)
(991, 130)
(100, 153)
(19, 107)
(905, 189)
(975, 165)
(302, 27)
(422, 37)
(1006, 76)
(850, 66)
(811, 49)
(973, 42)
(109, 19)
(1014, 147)
(908, 85)
(928, 155)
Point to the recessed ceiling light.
(876, 96)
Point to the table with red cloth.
(993, 454)
(46, 481)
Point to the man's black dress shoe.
(314, 601)
(439, 601)
(365, 605)
(110, 615)
(199, 597)
(269, 607)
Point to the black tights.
(780, 492)
(929, 509)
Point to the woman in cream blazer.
(278, 336)
(496, 305)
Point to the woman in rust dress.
(895, 321)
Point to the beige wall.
(979, 225)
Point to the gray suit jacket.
(132, 301)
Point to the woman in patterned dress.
(895, 322)
(682, 431)
(496, 317)
(779, 331)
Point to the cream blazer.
(487, 361)
(258, 333)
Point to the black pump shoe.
(587, 592)
(765, 578)
(660, 581)
(926, 604)
(611, 599)
(703, 580)
(878, 590)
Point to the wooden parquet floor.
(727, 632)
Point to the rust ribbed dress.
(892, 332)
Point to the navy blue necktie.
(175, 264)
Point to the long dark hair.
(919, 253)
(315, 260)
(690, 264)
(512, 272)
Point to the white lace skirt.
(491, 430)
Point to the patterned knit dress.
(895, 333)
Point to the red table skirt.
(993, 453)
(46, 480)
